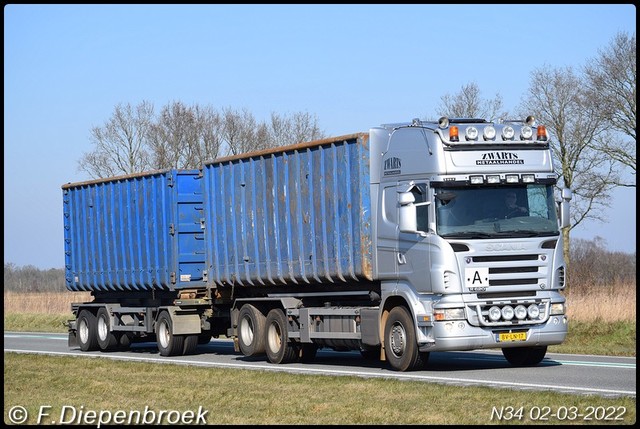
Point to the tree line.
(593, 266)
(589, 112)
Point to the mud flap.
(73, 339)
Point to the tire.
(308, 352)
(276, 340)
(204, 337)
(168, 344)
(401, 347)
(190, 344)
(86, 331)
(251, 326)
(125, 342)
(524, 356)
(107, 340)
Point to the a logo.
(499, 158)
(392, 166)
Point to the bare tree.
(297, 128)
(611, 86)
(557, 100)
(120, 145)
(187, 137)
(174, 140)
(210, 133)
(468, 104)
(240, 132)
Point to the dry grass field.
(615, 303)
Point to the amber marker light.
(542, 133)
(453, 134)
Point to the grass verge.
(80, 386)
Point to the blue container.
(293, 215)
(135, 233)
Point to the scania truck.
(393, 242)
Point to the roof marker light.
(512, 178)
(476, 180)
(528, 178)
(493, 179)
(453, 134)
(542, 133)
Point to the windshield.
(489, 212)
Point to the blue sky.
(66, 67)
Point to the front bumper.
(458, 335)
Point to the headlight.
(520, 312)
(533, 311)
(507, 312)
(494, 313)
(557, 308)
(449, 314)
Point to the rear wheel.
(204, 337)
(251, 325)
(277, 345)
(86, 327)
(168, 343)
(190, 344)
(308, 352)
(401, 346)
(524, 356)
(107, 340)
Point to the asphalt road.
(605, 376)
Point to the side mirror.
(407, 218)
(565, 218)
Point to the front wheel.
(277, 345)
(524, 356)
(401, 346)
(168, 343)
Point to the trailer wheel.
(251, 336)
(204, 337)
(401, 347)
(86, 331)
(308, 352)
(277, 345)
(524, 356)
(168, 344)
(107, 340)
(125, 341)
(190, 344)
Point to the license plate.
(512, 336)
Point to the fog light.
(494, 313)
(507, 312)
(521, 312)
(533, 311)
